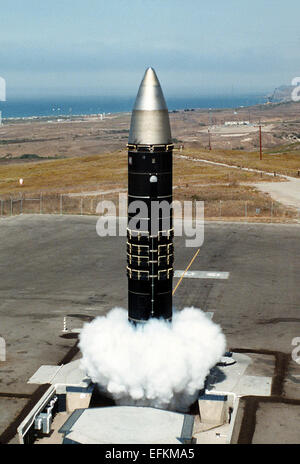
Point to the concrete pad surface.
(261, 364)
(9, 409)
(56, 266)
(68, 374)
(225, 379)
(127, 425)
(277, 424)
(233, 378)
(254, 385)
(214, 436)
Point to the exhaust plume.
(157, 364)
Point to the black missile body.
(150, 252)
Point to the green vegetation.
(30, 156)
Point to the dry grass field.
(109, 171)
(105, 171)
(280, 161)
(88, 156)
(49, 185)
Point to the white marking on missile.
(202, 274)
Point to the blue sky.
(102, 47)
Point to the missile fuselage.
(150, 252)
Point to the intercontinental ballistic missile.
(150, 253)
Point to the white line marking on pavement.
(202, 274)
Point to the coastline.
(41, 109)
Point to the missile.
(150, 252)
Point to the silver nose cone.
(150, 123)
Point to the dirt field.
(87, 135)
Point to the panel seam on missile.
(149, 173)
(139, 196)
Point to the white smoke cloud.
(157, 364)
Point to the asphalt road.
(53, 266)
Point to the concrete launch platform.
(69, 375)
(236, 377)
(76, 421)
(127, 425)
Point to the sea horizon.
(33, 107)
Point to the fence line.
(65, 204)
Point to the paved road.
(52, 266)
(287, 193)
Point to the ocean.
(56, 106)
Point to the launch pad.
(216, 419)
(253, 312)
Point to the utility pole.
(260, 144)
(209, 117)
(209, 140)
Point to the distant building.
(237, 123)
